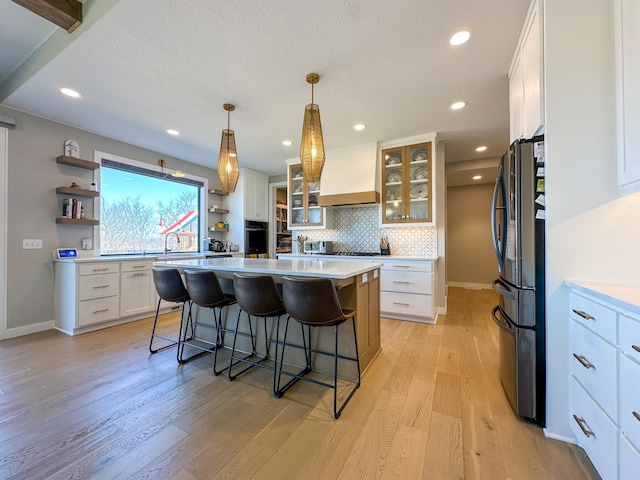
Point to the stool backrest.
(204, 288)
(312, 301)
(257, 294)
(169, 286)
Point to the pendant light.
(228, 160)
(312, 144)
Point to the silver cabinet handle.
(400, 303)
(402, 266)
(637, 415)
(139, 266)
(584, 426)
(636, 348)
(403, 283)
(584, 315)
(102, 269)
(101, 286)
(583, 360)
(100, 311)
(139, 274)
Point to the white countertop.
(154, 256)
(625, 296)
(269, 266)
(354, 258)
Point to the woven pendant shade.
(312, 144)
(228, 170)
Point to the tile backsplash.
(357, 229)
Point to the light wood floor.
(430, 406)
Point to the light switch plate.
(31, 243)
(87, 244)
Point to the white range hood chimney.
(350, 176)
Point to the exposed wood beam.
(66, 14)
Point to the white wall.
(592, 234)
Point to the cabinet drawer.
(98, 286)
(593, 363)
(630, 336)
(406, 304)
(594, 316)
(630, 399)
(599, 437)
(98, 268)
(406, 281)
(136, 266)
(98, 310)
(406, 265)
(629, 459)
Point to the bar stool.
(205, 291)
(258, 297)
(314, 302)
(170, 288)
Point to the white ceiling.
(147, 65)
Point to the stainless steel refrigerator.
(518, 218)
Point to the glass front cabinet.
(304, 210)
(407, 184)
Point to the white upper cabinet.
(526, 79)
(256, 188)
(627, 18)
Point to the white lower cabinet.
(92, 295)
(604, 387)
(406, 290)
(138, 293)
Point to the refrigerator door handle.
(503, 325)
(505, 292)
(499, 231)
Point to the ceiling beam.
(67, 14)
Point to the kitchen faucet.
(166, 238)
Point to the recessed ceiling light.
(481, 148)
(460, 37)
(458, 105)
(359, 126)
(477, 177)
(287, 142)
(171, 131)
(69, 92)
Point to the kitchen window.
(140, 205)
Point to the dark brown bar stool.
(205, 291)
(258, 297)
(314, 302)
(170, 288)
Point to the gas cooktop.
(353, 254)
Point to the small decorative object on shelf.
(385, 248)
(71, 149)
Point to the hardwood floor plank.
(482, 458)
(406, 457)
(444, 458)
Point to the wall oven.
(256, 237)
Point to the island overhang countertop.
(336, 270)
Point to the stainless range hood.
(350, 176)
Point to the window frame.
(98, 156)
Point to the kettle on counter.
(217, 246)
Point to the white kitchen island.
(357, 284)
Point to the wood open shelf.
(217, 229)
(77, 162)
(215, 191)
(77, 221)
(218, 210)
(77, 191)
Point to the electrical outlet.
(87, 244)
(31, 243)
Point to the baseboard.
(562, 438)
(471, 286)
(29, 329)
